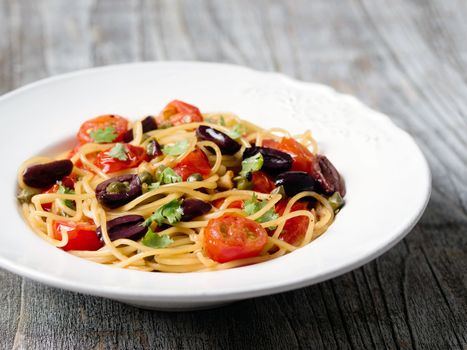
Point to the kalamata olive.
(147, 123)
(153, 149)
(193, 207)
(116, 196)
(128, 226)
(225, 142)
(329, 179)
(45, 175)
(274, 161)
(295, 182)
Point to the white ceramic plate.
(387, 177)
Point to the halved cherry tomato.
(67, 181)
(136, 155)
(261, 182)
(194, 162)
(302, 157)
(232, 237)
(235, 204)
(178, 113)
(119, 125)
(81, 235)
(295, 228)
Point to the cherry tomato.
(235, 204)
(262, 183)
(232, 237)
(195, 162)
(136, 155)
(295, 228)
(302, 157)
(178, 113)
(119, 125)
(67, 181)
(81, 235)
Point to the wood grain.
(405, 58)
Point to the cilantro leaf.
(169, 213)
(168, 176)
(119, 151)
(65, 190)
(252, 206)
(104, 135)
(254, 163)
(237, 131)
(176, 149)
(153, 240)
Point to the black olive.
(295, 182)
(226, 144)
(274, 161)
(193, 207)
(153, 149)
(147, 123)
(128, 226)
(329, 179)
(45, 175)
(131, 188)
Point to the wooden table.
(405, 58)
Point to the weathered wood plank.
(407, 59)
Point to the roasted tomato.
(81, 235)
(195, 162)
(295, 228)
(134, 156)
(103, 129)
(235, 204)
(261, 182)
(67, 181)
(302, 157)
(178, 113)
(232, 237)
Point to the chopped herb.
(65, 190)
(252, 206)
(222, 120)
(153, 240)
(169, 213)
(168, 176)
(176, 149)
(254, 163)
(119, 151)
(237, 131)
(104, 135)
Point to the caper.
(194, 177)
(336, 201)
(118, 187)
(145, 177)
(159, 171)
(244, 184)
(26, 195)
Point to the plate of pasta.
(183, 185)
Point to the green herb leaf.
(254, 163)
(119, 151)
(65, 190)
(153, 240)
(252, 206)
(237, 131)
(103, 135)
(168, 176)
(169, 213)
(176, 149)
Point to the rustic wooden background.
(405, 58)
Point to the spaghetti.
(181, 192)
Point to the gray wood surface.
(405, 58)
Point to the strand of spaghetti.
(218, 152)
(247, 261)
(137, 133)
